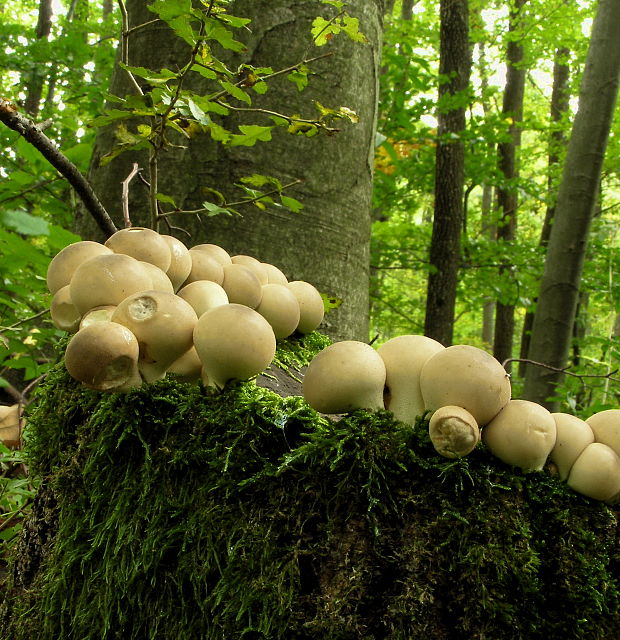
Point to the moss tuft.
(186, 512)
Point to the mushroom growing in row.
(157, 288)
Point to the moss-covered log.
(176, 511)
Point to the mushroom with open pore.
(454, 432)
(64, 313)
(345, 376)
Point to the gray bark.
(568, 240)
(445, 250)
(326, 244)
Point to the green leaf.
(351, 26)
(214, 209)
(59, 237)
(334, 3)
(197, 112)
(24, 223)
(260, 87)
(291, 203)
(299, 77)
(257, 180)
(323, 30)
(162, 197)
(251, 134)
(215, 30)
(330, 302)
(219, 134)
(152, 77)
(236, 92)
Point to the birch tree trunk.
(327, 243)
(568, 239)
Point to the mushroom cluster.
(467, 393)
(143, 304)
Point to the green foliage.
(243, 514)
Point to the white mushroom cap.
(280, 308)
(606, 428)
(203, 295)
(345, 376)
(64, 314)
(311, 307)
(160, 281)
(180, 261)
(404, 357)
(274, 275)
(254, 265)
(163, 323)
(204, 267)
(142, 244)
(215, 251)
(188, 367)
(106, 280)
(522, 434)
(98, 314)
(467, 377)
(104, 356)
(10, 425)
(573, 436)
(242, 285)
(454, 432)
(233, 342)
(65, 262)
(596, 473)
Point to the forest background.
(56, 63)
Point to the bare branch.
(26, 128)
(125, 194)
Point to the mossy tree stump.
(176, 511)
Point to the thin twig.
(564, 370)
(125, 194)
(24, 320)
(125, 31)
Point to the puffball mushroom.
(159, 280)
(188, 367)
(215, 251)
(345, 376)
(233, 342)
(606, 428)
(97, 314)
(10, 425)
(204, 267)
(596, 473)
(280, 308)
(573, 436)
(274, 275)
(467, 377)
(64, 313)
(106, 280)
(254, 265)
(311, 306)
(142, 244)
(203, 295)
(163, 323)
(104, 356)
(522, 434)
(454, 432)
(404, 357)
(180, 261)
(63, 265)
(242, 285)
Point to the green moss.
(185, 512)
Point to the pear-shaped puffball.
(64, 314)
(467, 377)
(404, 357)
(233, 342)
(65, 262)
(180, 261)
(596, 473)
(253, 265)
(203, 295)
(11, 425)
(311, 307)
(142, 244)
(522, 434)
(242, 285)
(345, 376)
(453, 431)
(606, 428)
(280, 308)
(573, 436)
(204, 267)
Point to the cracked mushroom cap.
(522, 434)
(104, 356)
(454, 432)
(233, 342)
(163, 323)
(606, 428)
(180, 261)
(345, 376)
(98, 314)
(65, 262)
(107, 280)
(596, 473)
(573, 436)
(467, 377)
(404, 357)
(311, 307)
(142, 244)
(64, 313)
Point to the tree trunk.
(559, 288)
(34, 86)
(560, 95)
(327, 243)
(507, 199)
(445, 250)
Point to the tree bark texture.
(559, 289)
(454, 70)
(326, 244)
(507, 195)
